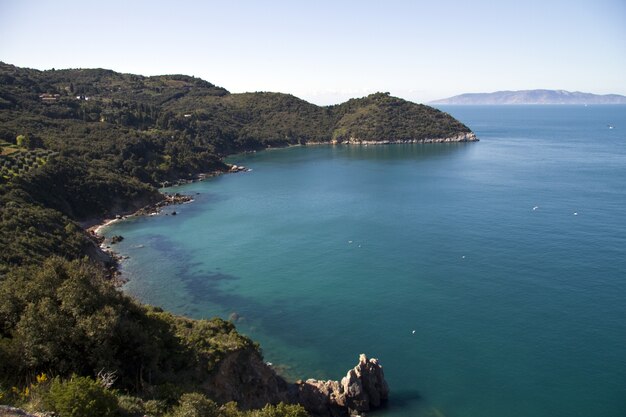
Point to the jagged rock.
(362, 389)
(242, 376)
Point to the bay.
(489, 278)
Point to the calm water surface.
(507, 258)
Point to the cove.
(506, 257)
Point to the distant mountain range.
(533, 97)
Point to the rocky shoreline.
(461, 137)
(94, 226)
(103, 252)
(244, 377)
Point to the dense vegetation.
(167, 127)
(64, 318)
(90, 143)
(81, 144)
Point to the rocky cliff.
(242, 376)
(245, 378)
(362, 389)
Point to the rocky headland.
(364, 388)
(461, 137)
(245, 378)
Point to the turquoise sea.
(489, 278)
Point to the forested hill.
(84, 143)
(176, 122)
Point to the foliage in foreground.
(85, 396)
(80, 397)
(65, 318)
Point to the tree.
(195, 405)
(20, 140)
(80, 397)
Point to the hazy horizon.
(329, 52)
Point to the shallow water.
(507, 257)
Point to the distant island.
(533, 97)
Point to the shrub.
(131, 406)
(280, 410)
(80, 397)
(195, 405)
(154, 407)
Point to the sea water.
(489, 278)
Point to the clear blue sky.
(328, 51)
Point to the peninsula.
(533, 97)
(81, 145)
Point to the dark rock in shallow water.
(116, 239)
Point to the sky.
(329, 51)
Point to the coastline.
(95, 229)
(461, 137)
(105, 253)
(149, 210)
(94, 226)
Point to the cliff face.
(362, 389)
(243, 377)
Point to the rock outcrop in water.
(244, 377)
(362, 389)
